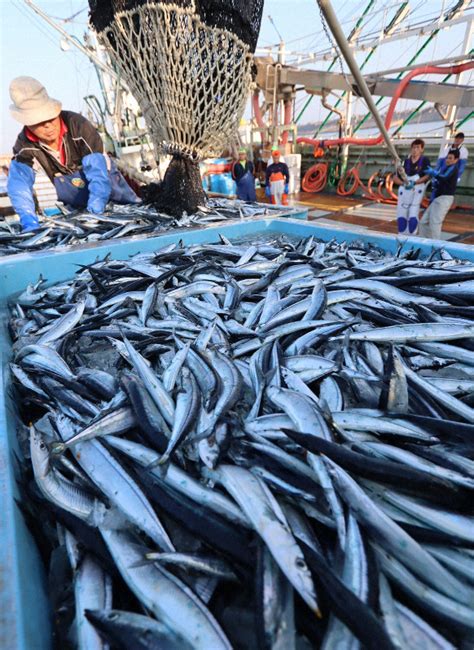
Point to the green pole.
(420, 106)
(415, 112)
(399, 76)
(310, 98)
(464, 120)
(452, 12)
(366, 60)
(328, 116)
(351, 36)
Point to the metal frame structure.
(454, 16)
(291, 79)
(314, 81)
(287, 80)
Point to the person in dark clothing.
(277, 179)
(444, 187)
(67, 147)
(242, 173)
(458, 144)
(411, 193)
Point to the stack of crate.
(45, 191)
(6, 209)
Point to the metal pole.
(399, 16)
(347, 127)
(338, 34)
(353, 34)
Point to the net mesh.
(188, 64)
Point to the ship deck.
(364, 215)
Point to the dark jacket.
(239, 170)
(419, 167)
(445, 183)
(81, 139)
(277, 169)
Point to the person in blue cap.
(69, 149)
(242, 173)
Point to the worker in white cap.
(242, 173)
(69, 149)
(277, 179)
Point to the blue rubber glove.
(410, 185)
(287, 188)
(20, 183)
(96, 205)
(29, 222)
(95, 170)
(267, 191)
(431, 172)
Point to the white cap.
(31, 103)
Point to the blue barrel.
(215, 182)
(229, 186)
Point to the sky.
(28, 46)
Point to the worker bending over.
(410, 194)
(444, 183)
(69, 149)
(242, 173)
(277, 180)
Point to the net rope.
(190, 79)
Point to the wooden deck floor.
(342, 212)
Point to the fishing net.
(188, 64)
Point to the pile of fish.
(120, 221)
(263, 444)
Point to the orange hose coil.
(315, 178)
(353, 176)
(372, 194)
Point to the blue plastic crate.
(24, 613)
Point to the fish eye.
(112, 616)
(300, 563)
